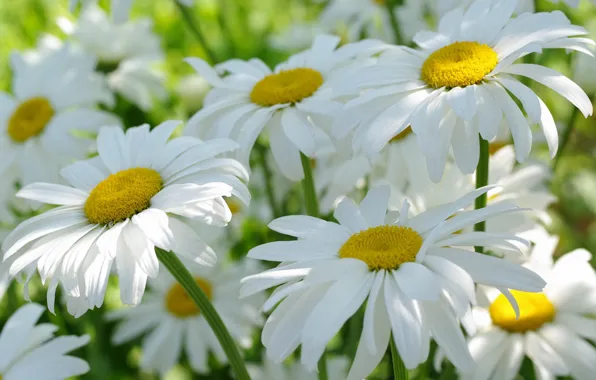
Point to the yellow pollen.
(383, 247)
(234, 205)
(29, 119)
(494, 147)
(122, 195)
(379, 2)
(535, 310)
(179, 303)
(460, 64)
(288, 86)
(402, 135)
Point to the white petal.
(53, 194)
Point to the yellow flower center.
(179, 303)
(29, 119)
(122, 195)
(460, 64)
(383, 247)
(233, 205)
(288, 86)
(402, 135)
(534, 311)
(378, 2)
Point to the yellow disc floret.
(534, 310)
(460, 64)
(402, 135)
(122, 195)
(179, 303)
(383, 247)
(29, 119)
(288, 86)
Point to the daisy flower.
(297, 36)
(337, 369)
(30, 351)
(136, 195)
(417, 273)
(120, 8)
(173, 323)
(126, 52)
(457, 84)
(553, 327)
(291, 103)
(44, 120)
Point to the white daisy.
(120, 9)
(360, 17)
(126, 52)
(415, 279)
(337, 369)
(292, 103)
(173, 323)
(455, 86)
(553, 328)
(297, 36)
(135, 196)
(44, 122)
(30, 351)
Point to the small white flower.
(30, 351)
(173, 323)
(415, 279)
(297, 36)
(136, 195)
(456, 86)
(553, 327)
(361, 17)
(337, 369)
(292, 103)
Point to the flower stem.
(481, 181)
(262, 151)
(308, 185)
(312, 209)
(196, 30)
(399, 369)
(391, 4)
(183, 276)
(566, 136)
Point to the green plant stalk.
(262, 151)
(399, 369)
(391, 4)
(481, 181)
(312, 209)
(196, 31)
(566, 136)
(308, 186)
(183, 276)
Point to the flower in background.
(126, 52)
(136, 195)
(416, 282)
(50, 119)
(192, 90)
(337, 369)
(553, 327)
(120, 9)
(457, 85)
(173, 323)
(292, 104)
(30, 351)
(297, 36)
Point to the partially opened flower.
(173, 323)
(458, 85)
(291, 103)
(417, 273)
(138, 194)
(553, 329)
(30, 351)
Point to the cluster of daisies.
(385, 139)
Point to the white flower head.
(173, 323)
(417, 273)
(44, 121)
(455, 87)
(359, 17)
(120, 8)
(291, 103)
(30, 350)
(552, 328)
(136, 195)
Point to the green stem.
(391, 4)
(481, 181)
(12, 298)
(566, 136)
(196, 30)
(399, 369)
(308, 185)
(183, 276)
(312, 209)
(262, 151)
